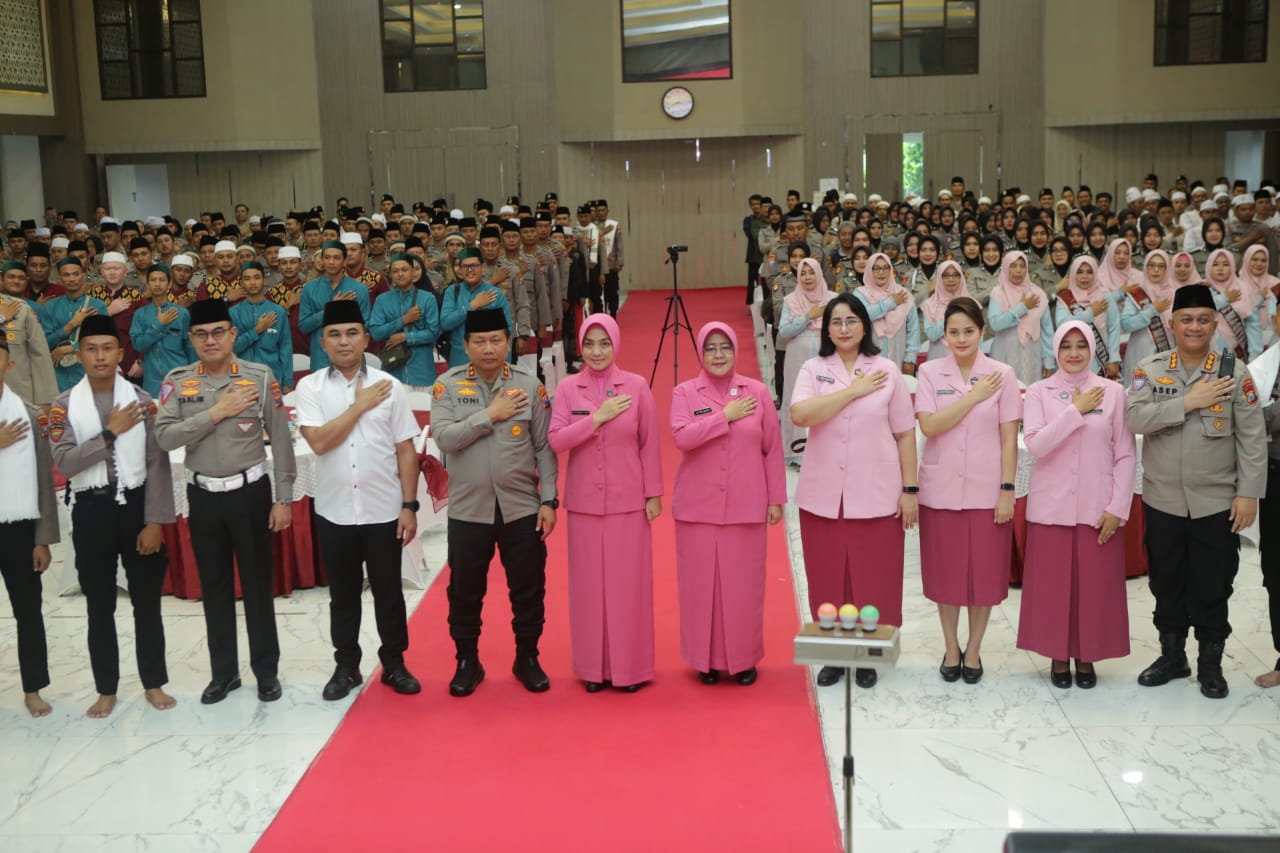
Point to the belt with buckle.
(228, 484)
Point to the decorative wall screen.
(22, 67)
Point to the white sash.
(18, 500)
(129, 451)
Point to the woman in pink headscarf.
(1074, 603)
(895, 328)
(1148, 313)
(1239, 306)
(800, 327)
(1116, 272)
(1184, 270)
(1084, 299)
(1254, 276)
(1014, 314)
(606, 419)
(730, 483)
(948, 284)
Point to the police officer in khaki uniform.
(490, 418)
(32, 375)
(1204, 468)
(217, 409)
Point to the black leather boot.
(1209, 669)
(1171, 664)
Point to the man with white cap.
(288, 295)
(1246, 231)
(121, 298)
(181, 270)
(375, 281)
(1133, 198)
(333, 284)
(225, 283)
(1193, 234)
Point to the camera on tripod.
(673, 252)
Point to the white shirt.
(358, 482)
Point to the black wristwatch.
(911, 490)
(411, 505)
(108, 436)
(1006, 487)
(554, 503)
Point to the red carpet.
(678, 766)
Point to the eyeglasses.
(880, 268)
(470, 266)
(713, 349)
(845, 322)
(217, 334)
(951, 274)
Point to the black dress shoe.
(950, 673)
(593, 686)
(529, 672)
(1085, 680)
(830, 675)
(269, 689)
(864, 677)
(218, 690)
(710, 676)
(632, 688)
(467, 677)
(747, 677)
(1061, 680)
(971, 674)
(341, 683)
(401, 680)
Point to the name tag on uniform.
(826, 379)
(1094, 412)
(946, 391)
(197, 398)
(580, 412)
(705, 411)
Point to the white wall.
(21, 178)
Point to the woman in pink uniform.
(969, 408)
(606, 419)
(1074, 603)
(857, 487)
(730, 482)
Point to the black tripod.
(676, 319)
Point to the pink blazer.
(730, 473)
(617, 468)
(1085, 464)
(960, 468)
(852, 459)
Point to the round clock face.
(677, 102)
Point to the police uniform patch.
(1064, 395)
(11, 336)
(277, 396)
(166, 391)
(1217, 408)
(57, 422)
(1250, 392)
(1164, 380)
(437, 391)
(43, 420)
(1219, 424)
(190, 392)
(466, 392)
(1139, 379)
(191, 383)
(542, 395)
(515, 429)
(152, 409)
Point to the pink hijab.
(1011, 294)
(1112, 278)
(935, 307)
(1085, 379)
(1245, 305)
(801, 300)
(1195, 274)
(1093, 294)
(1163, 290)
(888, 325)
(722, 384)
(1260, 284)
(610, 326)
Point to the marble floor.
(939, 767)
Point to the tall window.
(911, 38)
(1198, 32)
(149, 48)
(429, 45)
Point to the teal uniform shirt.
(315, 295)
(388, 318)
(453, 317)
(55, 316)
(162, 346)
(274, 347)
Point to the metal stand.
(676, 319)
(876, 650)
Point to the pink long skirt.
(964, 556)
(611, 597)
(854, 561)
(721, 573)
(1074, 603)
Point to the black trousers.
(524, 556)
(753, 269)
(347, 549)
(17, 541)
(1192, 564)
(595, 291)
(569, 333)
(229, 530)
(779, 368)
(103, 532)
(1269, 519)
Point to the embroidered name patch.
(946, 391)
(826, 379)
(705, 411)
(580, 412)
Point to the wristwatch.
(911, 490)
(554, 503)
(415, 506)
(1006, 487)
(108, 436)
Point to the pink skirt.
(854, 561)
(1074, 603)
(964, 556)
(721, 574)
(611, 597)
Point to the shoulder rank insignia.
(1173, 360)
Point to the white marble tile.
(184, 843)
(928, 840)
(1191, 778)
